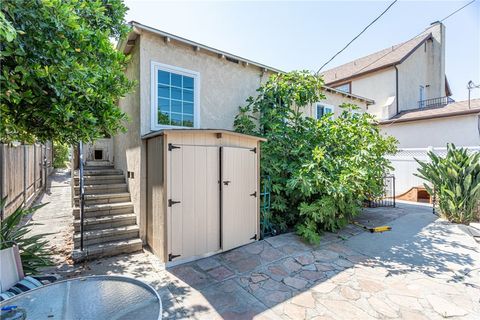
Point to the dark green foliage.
(32, 248)
(456, 181)
(321, 170)
(60, 154)
(61, 76)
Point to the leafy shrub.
(455, 179)
(61, 77)
(60, 154)
(33, 252)
(321, 170)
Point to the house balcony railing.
(435, 102)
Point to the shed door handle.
(226, 182)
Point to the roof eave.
(389, 65)
(429, 117)
(350, 95)
(201, 46)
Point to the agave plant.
(33, 251)
(455, 180)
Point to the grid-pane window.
(175, 99)
(322, 110)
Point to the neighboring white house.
(411, 94)
(412, 101)
(406, 76)
(456, 123)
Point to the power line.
(451, 14)
(365, 29)
(401, 45)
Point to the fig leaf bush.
(321, 170)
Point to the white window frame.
(421, 94)
(154, 67)
(325, 106)
(349, 84)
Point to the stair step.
(106, 222)
(98, 163)
(107, 235)
(99, 172)
(104, 209)
(100, 177)
(92, 199)
(107, 249)
(102, 188)
(108, 179)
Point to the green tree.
(61, 76)
(321, 170)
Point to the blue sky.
(293, 35)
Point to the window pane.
(176, 97)
(188, 83)
(188, 107)
(163, 118)
(187, 121)
(176, 119)
(176, 93)
(344, 87)
(176, 80)
(163, 91)
(176, 106)
(188, 95)
(163, 77)
(328, 110)
(320, 111)
(164, 104)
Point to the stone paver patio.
(425, 268)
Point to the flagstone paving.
(425, 268)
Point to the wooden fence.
(24, 170)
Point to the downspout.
(396, 88)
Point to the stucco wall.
(422, 68)
(460, 130)
(128, 147)
(425, 66)
(335, 100)
(224, 85)
(380, 87)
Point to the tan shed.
(202, 192)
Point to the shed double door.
(239, 197)
(212, 204)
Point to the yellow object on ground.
(374, 229)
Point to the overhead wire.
(442, 20)
(356, 37)
(401, 45)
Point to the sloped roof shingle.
(375, 61)
(450, 110)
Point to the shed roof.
(199, 130)
(379, 60)
(450, 110)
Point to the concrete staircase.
(109, 220)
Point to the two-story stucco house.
(181, 181)
(411, 95)
(406, 76)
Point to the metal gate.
(387, 199)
